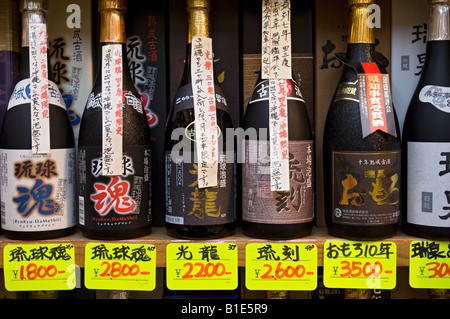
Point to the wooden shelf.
(160, 240)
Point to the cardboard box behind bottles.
(332, 26)
(71, 53)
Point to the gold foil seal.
(277, 294)
(112, 21)
(33, 5)
(357, 294)
(360, 31)
(198, 18)
(439, 20)
(10, 27)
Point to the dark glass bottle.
(361, 173)
(37, 190)
(265, 213)
(426, 136)
(188, 214)
(117, 206)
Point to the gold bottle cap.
(353, 2)
(33, 5)
(198, 4)
(120, 5)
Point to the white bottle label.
(22, 94)
(37, 191)
(429, 184)
(438, 96)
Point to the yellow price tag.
(118, 266)
(429, 264)
(360, 265)
(202, 266)
(39, 267)
(280, 266)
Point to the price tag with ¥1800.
(360, 265)
(39, 267)
(429, 264)
(202, 266)
(277, 266)
(119, 266)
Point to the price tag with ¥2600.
(359, 265)
(119, 266)
(280, 266)
(202, 266)
(39, 267)
(429, 264)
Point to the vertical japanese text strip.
(206, 132)
(276, 66)
(40, 108)
(112, 108)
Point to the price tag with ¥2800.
(39, 267)
(429, 264)
(119, 266)
(202, 266)
(280, 266)
(360, 265)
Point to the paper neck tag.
(112, 109)
(278, 135)
(40, 107)
(206, 132)
(376, 108)
(276, 39)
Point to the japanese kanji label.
(112, 109)
(366, 188)
(438, 96)
(38, 191)
(429, 264)
(274, 266)
(202, 266)
(119, 266)
(39, 267)
(359, 265)
(276, 39)
(428, 184)
(206, 132)
(263, 205)
(278, 134)
(375, 99)
(40, 106)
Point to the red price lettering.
(288, 272)
(204, 270)
(32, 271)
(354, 269)
(116, 269)
(439, 270)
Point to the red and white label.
(40, 106)
(206, 132)
(112, 109)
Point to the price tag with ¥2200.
(39, 267)
(360, 265)
(276, 266)
(118, 266)
(202, 266)
(429, 264)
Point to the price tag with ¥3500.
(202, 266)
(39, 267)
(280, 266)
(429, 264)
(118, 266)
(360, 265)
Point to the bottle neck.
(361, 43)
(112, 26)
(360, 32)
(198, 22)
(31, 17)
(439, 21)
